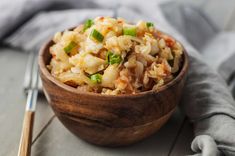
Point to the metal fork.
(31, 88)
(28, 74)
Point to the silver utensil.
(28, 74)
(31, 88)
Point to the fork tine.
(28, 72)
(33, 89)
(35, 79)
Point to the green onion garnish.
(96, 78)
(96, 35)
(149, 24)
(129, 31)
(113, 58)
(69, 47)
(88, 23)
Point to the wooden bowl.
(107, 119)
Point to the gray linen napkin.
(217, 47)
(191, 22)
(207, 100)
(223, 55)
(45, 24)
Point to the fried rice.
(110, 56)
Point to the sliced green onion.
(129, 31)
(149, 24)
(113, 58)
(88, 23)
(69, 47)
(96, 35)
(96, 78)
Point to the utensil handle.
(26, 136)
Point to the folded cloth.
(15, 14)
(45, 24)
(227, 70)
(223, 55)
(191, 22)
(213, 122)
(207, 100)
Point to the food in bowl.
(110, 56)
(136, 112)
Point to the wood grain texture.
(183, 140)
(59, 141)
(26, 136)
(13, 100)
(111, 120)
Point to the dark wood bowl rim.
(47, 74)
